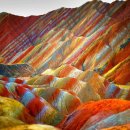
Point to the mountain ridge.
(69, 68)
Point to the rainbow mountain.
(69, 68)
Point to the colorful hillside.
(68, 69)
